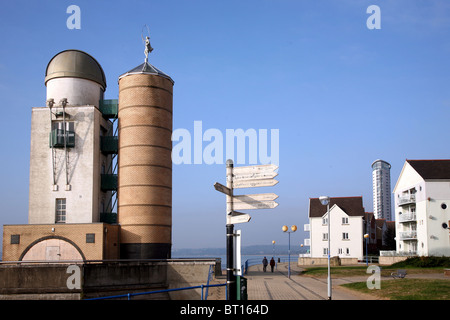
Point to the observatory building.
(89, 156)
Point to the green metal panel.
(109, 108)
(109, 182)
(108, 217)
(109, 144)
(56, 138)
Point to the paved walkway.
(277, 286)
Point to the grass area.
(396, 289)
(407, 289)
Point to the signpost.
(243, 177)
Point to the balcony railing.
(407, 217)
(393, 253)
(109, 144)
(407, 199)
(109, 108)
(109, 182)
(108, 217)
(408, 235)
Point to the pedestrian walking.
(272, 264)
(265, 263)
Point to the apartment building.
(422, 208)
(346, 218)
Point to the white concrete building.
(381, 181)
(67, 158)
(422, 208)
(346, 227)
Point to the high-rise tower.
(381, 180)
(145, 163)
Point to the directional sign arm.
(221, 188)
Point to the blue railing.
(129, 295)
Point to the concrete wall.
(83, 196)
(50, 281)
(387, 260)
(309, 261)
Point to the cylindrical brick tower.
(145, 164)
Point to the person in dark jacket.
(272, 264)
(265, 263)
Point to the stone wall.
(57, 281)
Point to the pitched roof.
(352, 206)
(431, 169)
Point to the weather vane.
(148, 47)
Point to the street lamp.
(325, 200)
(366, 236)
(285, 229)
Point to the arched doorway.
(52, 249)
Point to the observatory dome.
(75, 64)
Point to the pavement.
(278, 286)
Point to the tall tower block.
(145, 163)
(381, 181)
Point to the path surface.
(277, 286)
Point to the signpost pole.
(231, 278)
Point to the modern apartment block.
(381, 179)
(422, 208)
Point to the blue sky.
(340, 94)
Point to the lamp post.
(366, 236)
(285, 229)
(325, 200)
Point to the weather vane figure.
(148, 47)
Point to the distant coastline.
(247, 250)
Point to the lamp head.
(324, 200)
(285, 228)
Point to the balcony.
(109, 108)
(56, 139)
(108, 217)
(109, 182)
(407, 199)
(408, 235)
(109, 144)
(407, 217)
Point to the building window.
(325, 251)
(345, 220)
(60, 216)
(324, 221)
(324, 236)
(344, 235)
(90, 237)
(15, 238)
(57, 137)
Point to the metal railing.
(406, 217)
(407, 235)
(129, 295)
(406, 199)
